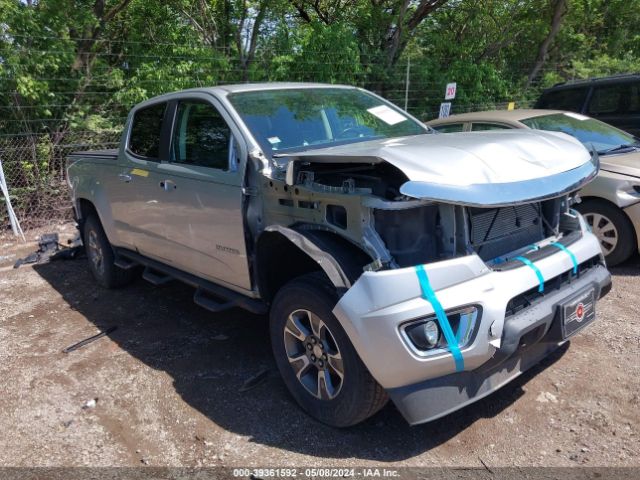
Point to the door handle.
(124, 177)
(168, 185)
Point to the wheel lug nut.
(324, 356)
(313, 340)
(321, 364)
(313, 358)
(309, 346)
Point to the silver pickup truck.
(394, 262)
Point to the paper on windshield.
(577, 116)
(386, 114)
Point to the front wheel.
(613, 229)
(318, 363)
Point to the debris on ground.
(546, 397)
(84, 342)
(90, 404)
(50, 249)
(255, 380)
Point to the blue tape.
(537, 271)
(429, 295)
(570, 253)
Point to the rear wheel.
(318, 363)
(613, 229)
(101, 256)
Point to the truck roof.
(224, 90)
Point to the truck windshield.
(308, 118)
(592, 133)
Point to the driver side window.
(201, 136)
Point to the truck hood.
(480, 168)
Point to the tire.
(613, 229)
(101, 256)
(341, 401)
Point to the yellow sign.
(511, 106)
(139, 172)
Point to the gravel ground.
(168, 388)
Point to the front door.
(203, 197)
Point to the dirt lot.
(168, 388)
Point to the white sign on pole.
(450, 92)
(445, 109)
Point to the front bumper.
(432, 399)
(373, 309)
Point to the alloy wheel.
(313, 354)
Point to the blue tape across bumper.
(429, 295)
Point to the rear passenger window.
(201, 136)
(144, 139)
(614, 99)
(482, 127)
(570, 99)
(450, 128)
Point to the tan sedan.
(611, 203)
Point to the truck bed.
(106, 154)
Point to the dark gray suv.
(614, 100)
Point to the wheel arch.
(593, 198)
(633, 226)
(283, 253)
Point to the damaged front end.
(447, 250)
(401, 217)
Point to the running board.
(124, 263)
(155, 278)
(200, 298)
(204, 289)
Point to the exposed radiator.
(497, 231)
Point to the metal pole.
(406, 85)
(15, 225)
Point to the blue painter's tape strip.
(571, 255)
(429, 295)
(537, 271)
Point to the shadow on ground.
(630, 268)
(210, 356)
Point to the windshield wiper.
(624, 146)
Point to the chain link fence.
(35, 172)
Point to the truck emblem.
(222, 248)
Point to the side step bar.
(124, 263)
(200, 298)
(158, 273)
(155, 278)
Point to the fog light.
(431, 333)
(424, 334)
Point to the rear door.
(202, 204)
(617, 104)
(140, 214)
